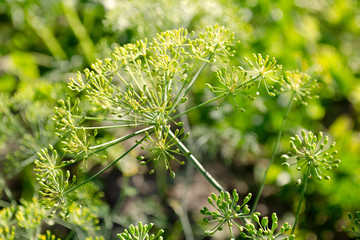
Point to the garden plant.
(142, 108)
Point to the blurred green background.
(44, 42)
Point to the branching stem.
(197, 164)
(193, 80)
(121, 139)
(106, 168)
(200, 105)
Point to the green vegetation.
(119, 113)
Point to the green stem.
(177, 98)
(121, 139)
(70, 235)
(79, 30)
(273, 153)
(45, 34)
(199, 72)
(106, 119)
(106, 145)
(197, 164)
(106, 168)
(109, 127)
(200, 105)
(184, 218)
(4, 204)
(7, 191)
(193, 80)
(209, 101)
(303, 189)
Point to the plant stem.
(4, 204)
(45, 34)
(200, 105)
(210, 101)
(121, 139)
(106, 168)
(197, 75)
(273, 153)
(109, 127)
(79, 30)
(106, 119)
(184, 218)
(303, 189)
(197, 164)
(7, 191)
(70, 235)
(193, 80)
(106, 145)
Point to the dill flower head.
(301, 84)
(140, 231)
(311, 154)
(227, 211)
(266, 70)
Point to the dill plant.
(142, 90)
(142, 86)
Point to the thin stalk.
(193, 80)
(303, 189)
(46, 35)
(273, 153)
(7, 191)
(198, 73)
(197, 164)
(79, 30)
(121, 139)
(185, 223)
(177, 99)
(183, 211)
(200, 105)
(109, 127)
(70, 235)
(161, 181)
(104, 119)
(109, 144)
(4, 204)
(79, 232)
(211, 100)
(106, 168)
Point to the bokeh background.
(44, 42)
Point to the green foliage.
(140, 232)
(150, 93)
